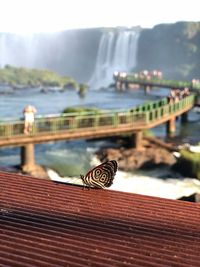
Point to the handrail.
(141, 115)
(73, 123)
(158, 82)
(169, 109)
(147, 106)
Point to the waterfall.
(18, 50)
(117, 52)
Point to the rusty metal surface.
(43, 223)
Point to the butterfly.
(101, 176)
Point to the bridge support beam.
(121, 85)
(28, 158)
(118, 85)
(171, 126)
(147, 89)
(137, 140)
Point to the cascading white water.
(117, 52)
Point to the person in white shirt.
(29, 114)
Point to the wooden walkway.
(90, 125)
(161, 83)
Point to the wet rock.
(129, 159)
(192, 198)
(35, 171)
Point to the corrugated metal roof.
(43, 223)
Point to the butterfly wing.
(102, 175)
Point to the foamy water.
(171, 188)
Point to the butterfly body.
(101, 176)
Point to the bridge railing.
(139, 116)
(73, 123)
(148, 106)
(169, 109)
(159, 82)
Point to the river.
(72, 158)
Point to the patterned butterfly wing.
(101, 176)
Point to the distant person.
(185, 92)
(172, 96)
(177, 95)
(29, 114)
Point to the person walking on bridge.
(29, 114)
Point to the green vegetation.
(81, 110)
(189, 163)
(33, 77)
(172, 48)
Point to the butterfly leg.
(85, 187)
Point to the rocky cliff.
(172, 48)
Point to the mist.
(72, 53)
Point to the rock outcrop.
(150, 156)
(172, 48)
(35, 171)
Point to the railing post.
(116, 119)
(54, 125)
(147, 117)
(9, 130)
(74, 123)
(96, 121)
